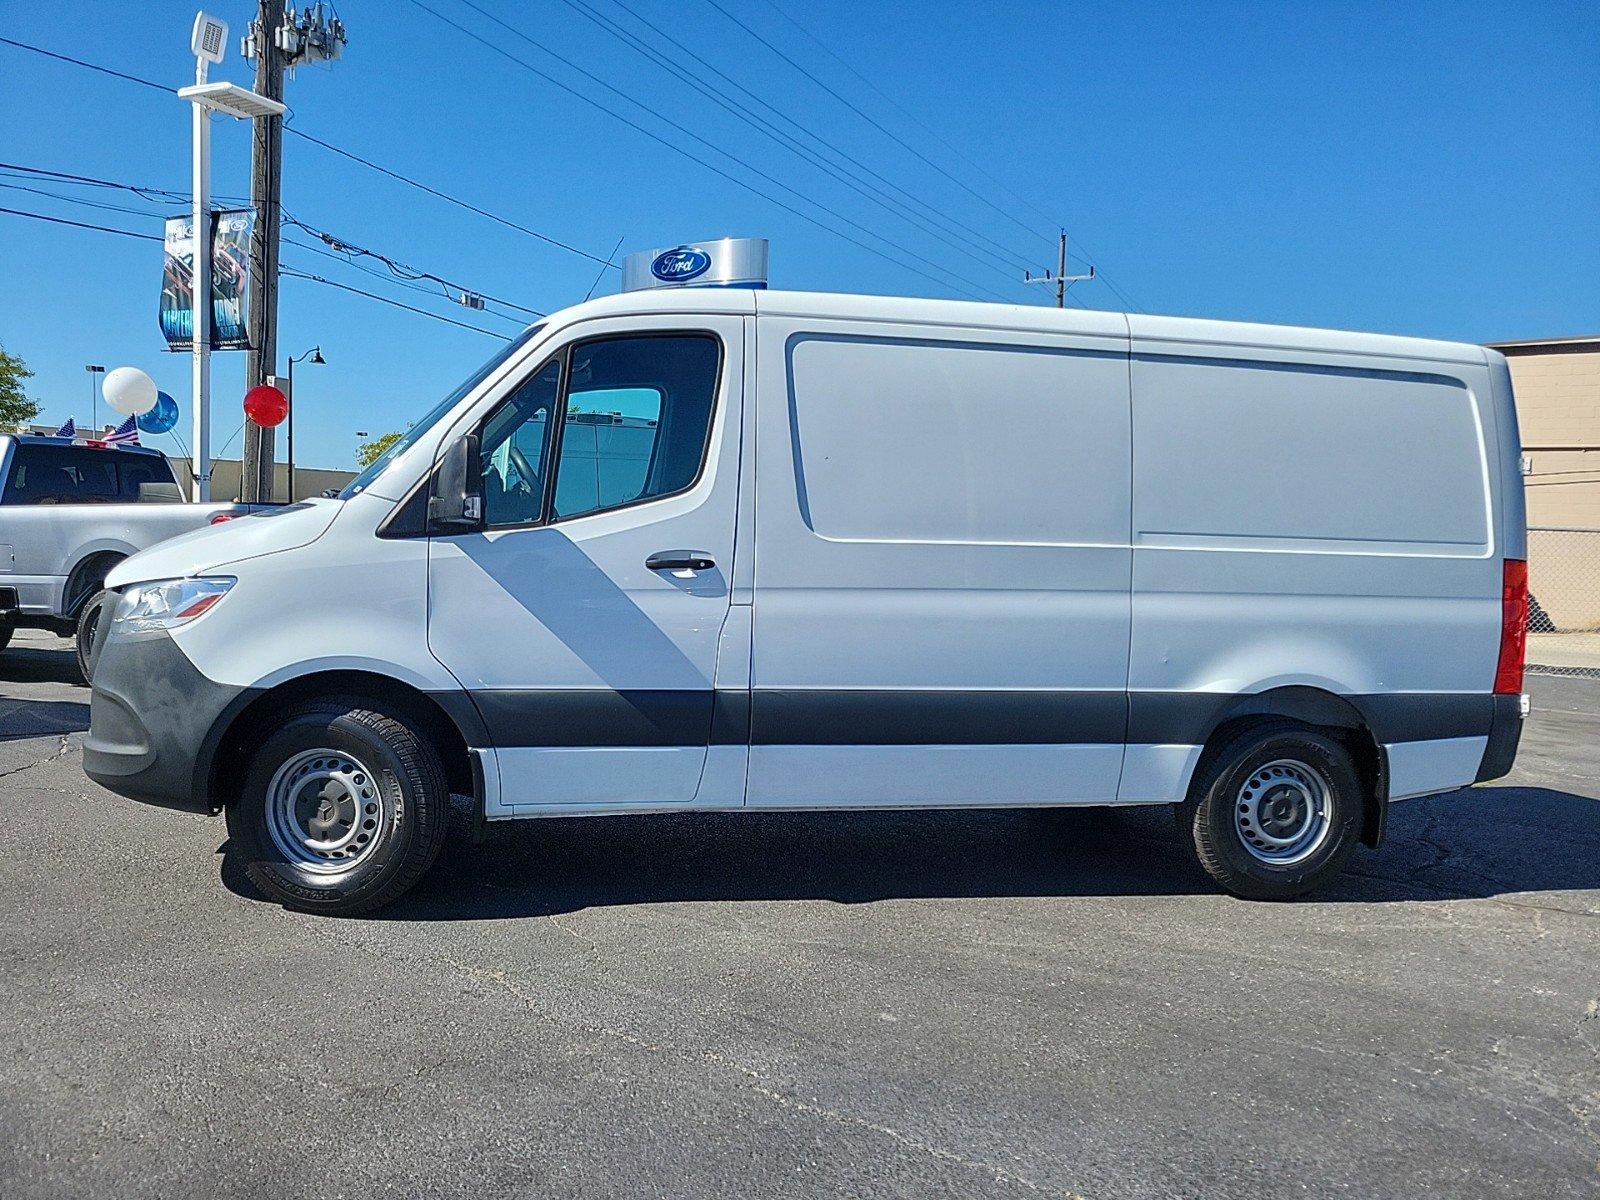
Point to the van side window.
(43, 474)
(515, 449)
(638, 420)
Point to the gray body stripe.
(888, 717)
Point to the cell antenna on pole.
(1059, 277)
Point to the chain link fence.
(1564, 609)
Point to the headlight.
(167, 603)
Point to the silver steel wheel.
(1283, 812)
(325, 810)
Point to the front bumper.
(154, 720)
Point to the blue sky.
(1415, 168)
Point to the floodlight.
(210, 38)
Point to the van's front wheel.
(1276, 813)
(342, 811)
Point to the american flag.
(70, 429)
(125, 434)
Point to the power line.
(78, 62)
(929, 219)
(569, 89)
(435, 192)
(892, 136)
(843, 62)
(421, 312)
(152, 194)
(151, 237)
(335, 256)
(399, 270)
(17, 212)
(403, 271)
(837, 57)
(326, 145)
(121, 208)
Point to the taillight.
(221, 517)
(1513, 628)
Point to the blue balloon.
(162, 417)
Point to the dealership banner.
(230, 278)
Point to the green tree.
(15, 407)
(367, 452)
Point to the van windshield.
(436, 414)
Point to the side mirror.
(455, 501)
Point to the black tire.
(1286, 765)
(88, 626)
(407, 789)
(7, 628)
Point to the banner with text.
(230, 280)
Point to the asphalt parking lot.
(1003, 1004)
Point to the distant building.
(1557, 384)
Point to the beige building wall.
(226, 474)
(1557, 386)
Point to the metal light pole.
(94, 393)
(315, 355)
(209, 41)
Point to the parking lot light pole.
(209, 41)
(315, 355)
(94, 393)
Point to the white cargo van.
(727, 548)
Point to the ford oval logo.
(680, 265)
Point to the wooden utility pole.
(266, 180)
(1060, 278)
(276, 42)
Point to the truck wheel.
(88, 627)
(6, 630)
(342, 811)
(1276, 812)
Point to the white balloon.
(130, 391)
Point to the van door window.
(637, 420)
(43, 474)
(515, 449)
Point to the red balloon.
(266, 405)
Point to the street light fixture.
(94, 394)
(209, 42)
(315, 355)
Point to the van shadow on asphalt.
(1471, 844)
(30, 664)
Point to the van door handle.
(680, 560)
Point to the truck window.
(134, 470)
(638, 420)
(43, 474)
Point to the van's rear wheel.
(343, 810)
(1276, 812)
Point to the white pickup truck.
(72, 509)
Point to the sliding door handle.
(680, 560)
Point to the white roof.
(1170, 334)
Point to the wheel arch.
(448, 720)
(95, 564)
(1340, 717)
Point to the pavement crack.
(750, 1079)
(65, 748)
